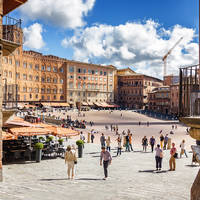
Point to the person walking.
(102, 140)
(82, 137)
(165, 141)
(108, 144)
(158, 157)
(127, 143)
(70, 159)
(130, 141)
(119, 145)
(92, 137)
(152, 143)
(183, 151)
(161, 141)
(107, 159)
(172, 161)
(144, 143)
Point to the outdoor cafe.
(19, 143)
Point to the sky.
(123, 33)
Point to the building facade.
(89, 84)
(32, 77)
(159, 100)
(174, 99)
(133, 88)
(10, 34)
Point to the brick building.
(133, 88)
(32, 77)
(10, 34)
(159, 100)
(89, 84)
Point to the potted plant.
(39, 146)
(61, 141)
(50, 138)
(41, 139)
(80, 144)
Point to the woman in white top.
(70, 159)
(158, 157)
(108, 141)
(119, 145)
(183, 151)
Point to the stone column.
(1, 92)
(195, 190)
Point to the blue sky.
(95, 30)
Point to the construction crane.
(164, 59)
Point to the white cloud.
(33, 36)
(64, 13)
(135, 44)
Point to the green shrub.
(61, 141)
(79, 142)
(39, 145)
(50, 138)
(41, 139)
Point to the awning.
(62, 132)
(8, 136)
(46, 104)
(29, 131)
(114, 105)
(84, 103)
(17, 121)
(64, 104)
(54, 104)
(29, 106)
(104, 104)
(20, 105)
(98, 104)
(90, 103)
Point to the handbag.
(176, 155)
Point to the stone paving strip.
(132, 177)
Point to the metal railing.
(12, 31)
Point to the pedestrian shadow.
(137, 151)
(96, 156)
(153, 171)
(192, 165)
(93, 153)
(88, 179)
(53, 179)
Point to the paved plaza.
(131, 175)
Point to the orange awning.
(64, 104)
(18, 122)
(8, 136)
(29, 131)
(63, 132)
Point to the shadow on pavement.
(89, 179)
(153, 171)
(94, 153)
(53, 179)
(192, 165)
